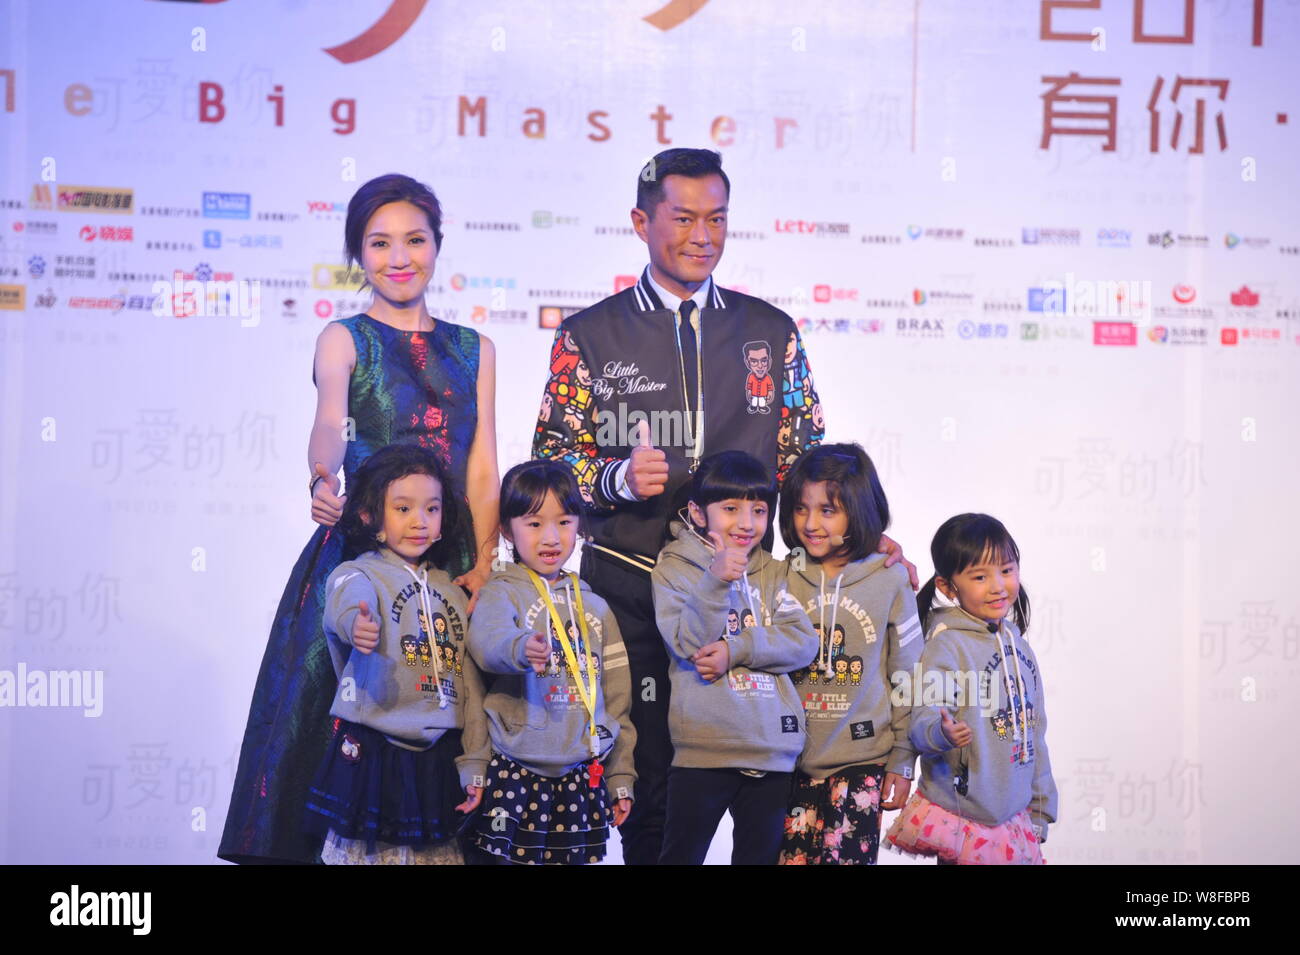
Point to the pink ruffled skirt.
(925, 829)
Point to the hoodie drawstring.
(824, 649)
(1017, 713)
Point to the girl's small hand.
(365, 630)
(326, 503)
(473, 796)
(622, 809)
(473, 581)
(712, 660)
(537, 651)
(959, 734)
(890, 547)
(895, 790)
(728, 562)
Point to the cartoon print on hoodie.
(985, 781)
(870, 630)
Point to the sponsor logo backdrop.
(1044, 262)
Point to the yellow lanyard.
(586, 693)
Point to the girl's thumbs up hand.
(365, 630)
(958, 733)
(728, 562)
(537, 651)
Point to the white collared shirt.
(673, 303)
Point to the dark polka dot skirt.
(541, 820)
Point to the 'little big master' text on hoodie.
(869, 629)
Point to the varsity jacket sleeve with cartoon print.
(566, 427)
(786, 644)
(616, 685)
(1042, 807)
(799, 397)
(906, 641)
(496, 634)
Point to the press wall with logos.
(1044, 261)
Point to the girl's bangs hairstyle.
(964, 541)
(732, 475)
(368, 493)
(851, 483)
(525, 486)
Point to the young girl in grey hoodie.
(409, 746)
(733, 636)
(987, 794)
(559, 696)
(858, 760)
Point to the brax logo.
(102, 908)
(862, 730)
(789, 724)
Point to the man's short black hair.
(693, 163)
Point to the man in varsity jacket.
(642, 386)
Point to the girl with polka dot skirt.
(558, 688)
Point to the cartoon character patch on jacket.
(759, 386)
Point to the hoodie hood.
(854, 572)
(691, 546)
(516, 573)
(955, 618)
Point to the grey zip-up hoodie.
(397, 689)
(751, 717)
(1005, 768)
(540, 721)
(869, 629)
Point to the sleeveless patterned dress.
(407, 388)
